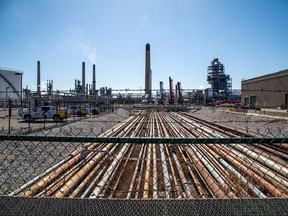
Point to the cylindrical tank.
(10, 84)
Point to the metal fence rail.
(140, 140)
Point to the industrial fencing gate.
(153, 162)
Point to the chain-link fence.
(145, 160)
(153, 155)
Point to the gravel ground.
(88, 126)
(264, 125)
(20, 161)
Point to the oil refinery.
(174, 145)
(221, 88)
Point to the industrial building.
(221, 84)
(10, 85)
(270, 90)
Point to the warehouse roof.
(267, 76)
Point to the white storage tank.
(10, 85)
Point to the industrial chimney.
(38, 79)
(148, 72)
(94, 81)
(83, 78)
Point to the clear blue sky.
(250, 37)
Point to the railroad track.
(160, 171)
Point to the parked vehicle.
(95, 110)
(79, 111)
(45, 112)
(250, 106)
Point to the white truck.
(45, 112)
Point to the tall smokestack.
(38, 79)
(148, 72)
(94, 80)
(83, 78)
(150, 83)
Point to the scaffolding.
(221, 84)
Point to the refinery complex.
(221, 88)
(101, 151)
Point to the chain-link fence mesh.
(67, 206)
(147, 154)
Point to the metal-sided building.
(10, 84)
(270, 90)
